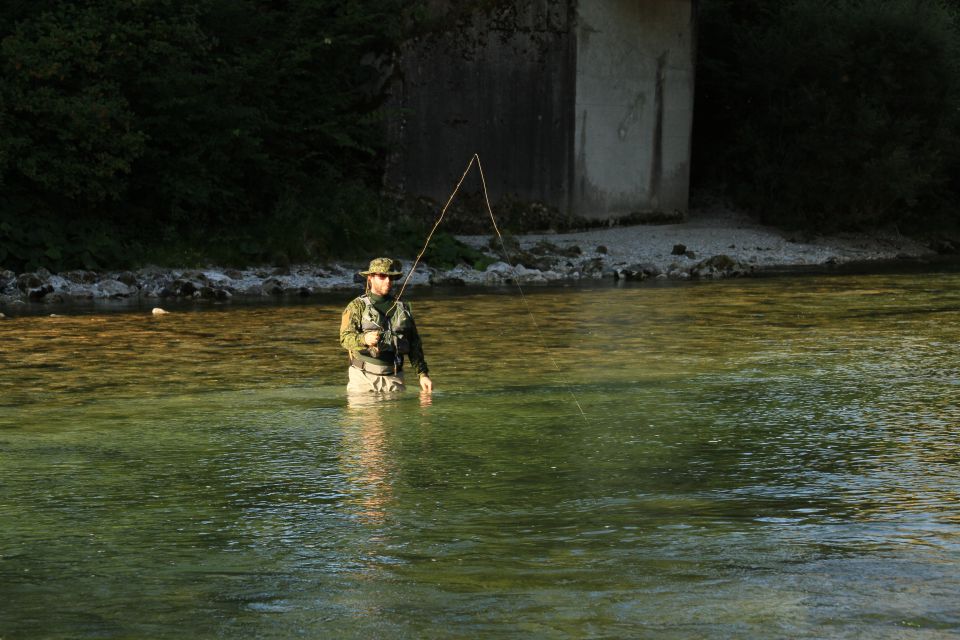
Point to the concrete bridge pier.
(583, 105)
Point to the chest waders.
(393, 331)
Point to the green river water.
(764, 458)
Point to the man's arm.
(351, 335)
(417, 361)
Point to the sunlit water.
(768, 458)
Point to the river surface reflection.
(754, 459)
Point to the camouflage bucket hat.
(386, 266)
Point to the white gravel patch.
(723, 232)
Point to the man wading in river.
(378, 331)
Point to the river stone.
(7, 278)
(29, 281)
(249, 289)
(542, 263)
(719, 266)
(40, 292)
(113, 289)
(59, 283)
(194, 276)
(127, 278)
(35, 285)
(271, 287)
(592, 267)
(206, 293)
(523, 274)
(497, 273)
(639, 271)
(80, 276)
(183, 288)
(629, 273)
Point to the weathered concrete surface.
(634, 106)
(585, 106)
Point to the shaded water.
(757, 459)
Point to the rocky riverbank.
(710, 244)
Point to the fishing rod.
(443, 212)
(506, 254)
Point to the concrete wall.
(583, 105)
(634, 106)
(499, 85)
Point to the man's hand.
(426, 384)
(371, 338)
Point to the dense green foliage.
(246, 127)
(830, 113)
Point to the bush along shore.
(712, 245)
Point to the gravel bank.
(723, 232)
(710, 244)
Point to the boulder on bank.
(7, 280)
(637, 272)
(80, 276)
(720, 266)
(34, 286)
(114, 289)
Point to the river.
(763, 458)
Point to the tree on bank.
(242, 124)
(825, 114)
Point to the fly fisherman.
(378, 331)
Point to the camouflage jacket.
(351, 337)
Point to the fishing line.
(506, 254)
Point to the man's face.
(379, 283)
